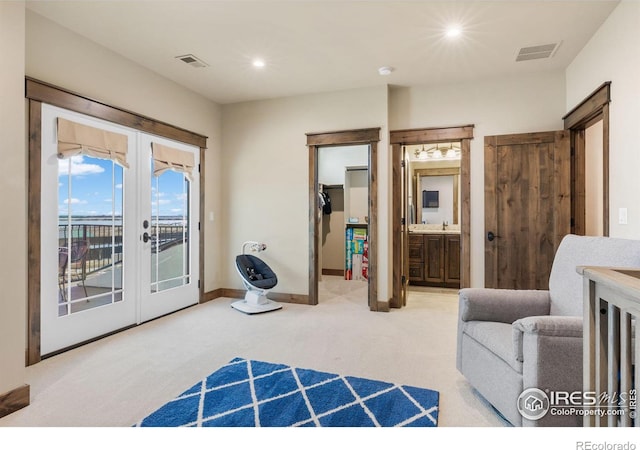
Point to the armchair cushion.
(502, 305)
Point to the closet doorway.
(355, 151)
(343, 176)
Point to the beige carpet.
(122, 378)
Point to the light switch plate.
(622, 216)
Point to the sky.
(93, 194)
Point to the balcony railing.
(611, 345)
(105, 241)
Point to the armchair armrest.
(548, 326)
(502, 305)
(550, 349)
(559, 326)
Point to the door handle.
(146, 237)
(491, 236)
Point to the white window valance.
(77, 139)
(168, 158)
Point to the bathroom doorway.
(403, 142)
(433, 198)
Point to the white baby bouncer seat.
(258, 279)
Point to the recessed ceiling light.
(453, 31)
(385, 70)
(258, 63)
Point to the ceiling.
(328, 45)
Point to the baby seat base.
(255, 302)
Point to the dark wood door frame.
(38, 93)
(591, 110)
(398, 139)
(367, 136)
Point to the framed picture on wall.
(430, 199)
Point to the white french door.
(98, 275)
(169, 223)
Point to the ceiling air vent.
(537, 52)
(193, 61)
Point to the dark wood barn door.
(527, 206)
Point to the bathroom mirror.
(434, 195)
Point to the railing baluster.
(625, 364)
(613, 362)
(589, 351)
(602, 357)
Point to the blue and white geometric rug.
(247, 393)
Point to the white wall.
(62, 58)
(333, 161)
(356, 202)
(496, 106)
(13, 185)
(266, 176)
(612, 55)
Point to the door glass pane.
(90, 221)
(169, 231)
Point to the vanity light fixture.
(449, 151)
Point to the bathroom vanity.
(434, 256)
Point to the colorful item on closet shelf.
(360, 234)
(348, 252)
(365, 261)
(357, 254)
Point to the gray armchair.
(511, 340)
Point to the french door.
(168, 218)
(119, 238)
